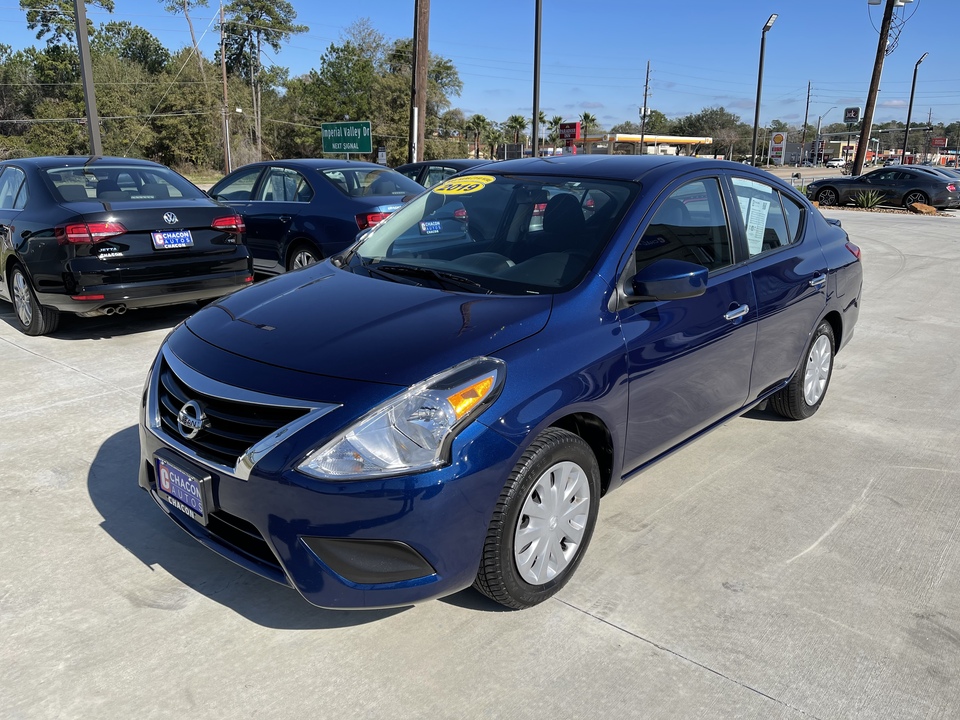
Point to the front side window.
(771, 221)
(238, 187)
(689, 225)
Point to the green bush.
(868, 199)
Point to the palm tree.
(495, 137)
(516, 124)
(478, 125)
(555, 122)
(541, 125)
(588, 121)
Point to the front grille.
(232, 427)
(243, 537)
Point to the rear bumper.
(148, 294)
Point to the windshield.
(116, 183)
(505, 234)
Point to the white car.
(836, 163)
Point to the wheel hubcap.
(818, 371)
(21, 299)
(303, 258)
(551, 523)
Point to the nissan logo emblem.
(191, 420)
(169, 218)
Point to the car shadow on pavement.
(104, 327)
(134, 521)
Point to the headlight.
(411, 432)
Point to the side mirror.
(670, 280)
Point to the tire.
(827, 196)
(555, 482)
(802, 397)
(32, 317)
(302, 255)
(915, 196)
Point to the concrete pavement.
(773, 570)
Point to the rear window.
(365, 182)
(119, 183)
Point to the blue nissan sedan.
(444, 403)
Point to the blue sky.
(593, 58)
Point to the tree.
(251, 24)
(478, 125)
(184, 6)
(516, 124)
(588, 121)
(130, 42)
(56, 18)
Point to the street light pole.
(536, 78)
(756, 116)
(817, 155)
(913, 87)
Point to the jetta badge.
(169, 218)
(191, 420)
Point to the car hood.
(331, 322)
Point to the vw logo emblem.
(169, 218)
(191, 420)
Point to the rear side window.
(13, 189)
(770, 219)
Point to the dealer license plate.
(182, 490)
(172, 239)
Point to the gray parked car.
(897, 186)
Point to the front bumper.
(376, 543)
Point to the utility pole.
(227, 160)
(86, 71)
(418, 91)
(867, 126)
(536, 79)
(643, 111)
(806, 115)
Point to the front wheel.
(827, 196)
(542, 523)
(32, 317)
(801, 398)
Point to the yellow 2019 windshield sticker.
(463, 185)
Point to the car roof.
(318, 164)
(461, 163)
(66, 161)
(611, 167)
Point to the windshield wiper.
(441, 277)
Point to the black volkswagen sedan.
(896, 185)
(300, 211)
(101, 235)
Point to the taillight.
(460, 214)
(368, 220)
(539, 209)
(854, 249)
(951, 188)
(88, 233)
(229, 224)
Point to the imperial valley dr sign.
(347, 137)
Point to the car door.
(688, 360)
(889, 183)
(281, 194)
(789, 274)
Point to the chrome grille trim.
(214, 388)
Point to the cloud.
(742, 104)
(591, 105)
(893, 104)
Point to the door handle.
(819, 280)
(285, 218)
(736, 312)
